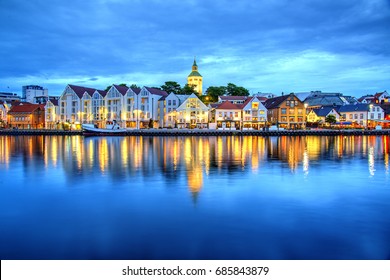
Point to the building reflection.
(186, 160)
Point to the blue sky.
(264, 45)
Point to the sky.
(269, 46)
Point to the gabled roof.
(135, 90)
(122, 89)
(325, 110)
(156, 91)
(81, 90)
(378, 94)
(54, 101)
(366, 97)
(26, 108)
(273, 103)
(227, 105)
(354, 108)
(103, 93)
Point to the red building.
(25, 115)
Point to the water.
(70, 197)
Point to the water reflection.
(195, 158)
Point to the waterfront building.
(192, 113)
(226, 116)
(75, 105)
(4, 108)
(52, 113)
(254, 113)
(172, 102)
(26, 115)
(115, 101)
(151, 107)
(364, 115)
(34, 94)
(98, 111)
(195, 79)
(286, 111)
(319, 115)
(132, 107)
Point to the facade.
(172, 102)
(363, 115)
(74, 105)
(192, 113)
(286, 111)
(227, 116)
(26, 116)
(254, 114)
(195, 79)
(382, 97)
(52, 114)
(34, 94)
(151, 107)
(4, 108)
(319, 115)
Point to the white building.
(254, 113)
(34, 94)
(192, 112)
(361, 114)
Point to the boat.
(112, 128)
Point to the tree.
(189, 89)
(234, 90)
(331, 119)
(214, 92)
(171, 86)
(134, 86)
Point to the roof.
(122, 89)
(326, 100)
(26, 108)
(227, 105)
(157, 91)
(366, 97)
(353, 108)
(273, 103)
(136, 90)
(233, 97)
(54, 101)
(102, 92)
(81, 90)
(325, 110)
(194, 73)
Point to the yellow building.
(195, 79)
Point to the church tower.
(195, 79)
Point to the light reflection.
(192, 158)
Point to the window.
(262, 112)
(350, 116)
(283, 111)
(361, 116)
(291, 111)
(174, 102)
(169, 102)
(236, 114)
(288, 102)
(372, 116)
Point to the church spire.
(194, 65)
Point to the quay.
(205, 132)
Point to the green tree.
(188, 89)
(171, 86)
(214, 92)
(234, 90)
(134, 86)
(331, 119)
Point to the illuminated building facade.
(27, 116)
(195, 79)
(286, 111)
